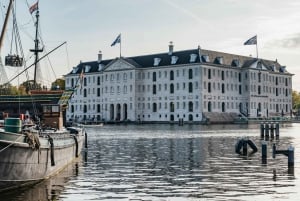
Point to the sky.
(147, 27)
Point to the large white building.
(193, 85)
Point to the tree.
(29, 85)
(296, 100)
(58, 84)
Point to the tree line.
(27, 86)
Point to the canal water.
(169, 162)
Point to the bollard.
(264, 152)
(267, 130)
(291, 156)
(272, 130)
(262, 130)
(277, 129)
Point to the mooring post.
(267, 130)
(262, 130)
(291, 156)
(274, 150)
(272, 127)
(277, 129)
(264, 152)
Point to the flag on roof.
(117, 40)
(251, 41)
(34, 7)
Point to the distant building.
(194, 85)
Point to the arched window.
(84, 81)
(223, 107)
(154, 107)
(172, 107)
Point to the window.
(190, 73)
(84, 93)
(223, 75)
(172, 107)
(209, 73)
(223, 88)
(154, 107)
(84, 82)
(240, 77)
(154, 76)
(259, 90)
(154, 89)
(171, 88)
(240, 89)
(171, 75)
(190, 87)
(190, 106)
(209, 87)
(98, 92)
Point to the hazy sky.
(147, 27)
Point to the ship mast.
(4, 78)
(36, 49)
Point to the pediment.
(119, 64)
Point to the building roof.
(181, 58)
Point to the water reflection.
(49, 189)
(175, 163)
(168, 162)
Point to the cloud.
(292, 41)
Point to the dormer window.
(272, 68)
(193, 58)
(259, 65)
(75, 70)
(174, 59)
(205, 58)
(235, 63)
(100, 67)
(282, 69)
(87, 68)
(156, 61)
(219, 60)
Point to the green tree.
(58, 84)
(296, 100)
(29, 85)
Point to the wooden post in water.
(264, 152)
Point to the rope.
(11, 144)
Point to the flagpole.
(120, 45)
(256, 48)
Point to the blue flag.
(117, 40)
(251, 41)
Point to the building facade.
(189, 85)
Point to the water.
(168, 162)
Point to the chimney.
(171, 47)
(99, 57)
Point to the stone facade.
(184, 85)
